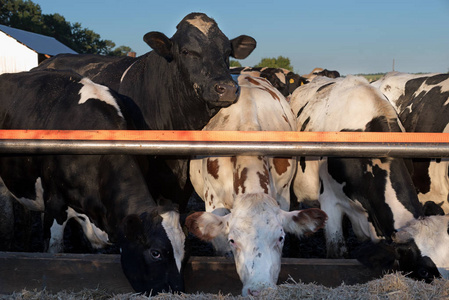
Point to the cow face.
(255, 229)
(152, 250)
(201, 53)
(423, 247)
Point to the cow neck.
(166, 100)
(123, 189)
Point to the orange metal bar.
(226, 136)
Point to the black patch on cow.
(430, 208)
(301, 109)
(367, 187)
(324, 87)
(413, 264)
(304, 125)
(420, 175)
(382, 124)
(436, 79)
(302, 163)
(403, 186)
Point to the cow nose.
(226, 90)
(253, 293)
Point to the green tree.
(28, 16)
(120, 51)
(234, 63)
(279, 62)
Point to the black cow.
(106, 194)
(282, 79)
(180, 85)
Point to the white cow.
(247, 198)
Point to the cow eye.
(155, 254)
(281, 239)
(185, 52)
(231, 241)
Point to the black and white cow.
(377, 195)
(320, 72)
(180, 85)
(247, 198)
(106, 194)
(421, 101)
(284, 80)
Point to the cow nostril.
(221, 89)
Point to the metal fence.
(275, 143)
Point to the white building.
(23, 50)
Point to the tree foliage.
(26, 15)
(234, 63)
(279, 62)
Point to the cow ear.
(205, 225)
(303, 221)
(160, 43)
(132, 228)
(242, 46)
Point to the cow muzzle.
(228, 93)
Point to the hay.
(391, 286)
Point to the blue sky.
(351, 36)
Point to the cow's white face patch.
(256, 237)
(91, 90)
(202, 25)
(170, 222)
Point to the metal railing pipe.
(217, 148)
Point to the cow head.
(423, 247)
(201, 53)
(255, 229)
(152, 251)
(420, 249)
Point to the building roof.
(40, 43)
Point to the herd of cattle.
(398, 205)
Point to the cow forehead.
(202, 25)
(252, 213)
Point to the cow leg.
(333, 231)
(56, 244)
